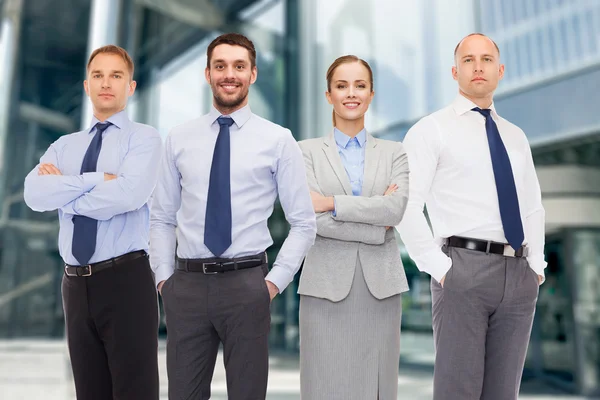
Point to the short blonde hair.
(112, 49)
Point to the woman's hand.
(322, 203)
(391, 189)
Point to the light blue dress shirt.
(266, 162)
(131, 151)
(352, 153)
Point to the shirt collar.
(342, 139)
(462, 105)
(120, 120)
(240, 117)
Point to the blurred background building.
(551, 49)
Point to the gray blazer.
(358, 229)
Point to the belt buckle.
(89, 269)
(509, 251)
(204, 265)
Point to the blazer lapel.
(331, 152)
(371, 164)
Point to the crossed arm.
(96, 195)
(360, 219)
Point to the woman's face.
(350, 92)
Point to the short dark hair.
(234, 39)
(475, 34)
(112, 49)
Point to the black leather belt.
(486, 246)
(220, 265)
(88, 270)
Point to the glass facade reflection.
(551, 89)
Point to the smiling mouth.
(351, 105)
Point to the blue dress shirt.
(129, 150)
(352, 153)
(266, 162)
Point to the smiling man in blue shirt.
(100, 180)
(219, 179)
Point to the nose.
(478, 66)
(105, 82)
(351, 91)
(230, 72)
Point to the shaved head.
(475, 34)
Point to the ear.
(328, 97)
(207, 74)
(455, 73)
(254, 75)
(501, 71)
(132, 86)
(86, 87)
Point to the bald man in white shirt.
(474, 171)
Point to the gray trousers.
(482, 320)
(202, 311)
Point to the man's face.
(108, 84)
(230, 75)
(478, 69)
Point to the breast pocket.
(113, 153)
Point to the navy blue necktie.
(85, 229)
(505, 183)
(217, 226)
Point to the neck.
(103, 116)
(350, 128)
(481, 102)
(230, 110)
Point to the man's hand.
(109, 177)
(160, 285)
(273, 290)
(322, 203)
(442, 281)
(48, 169)
(540, 279)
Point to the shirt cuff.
(334, 207)
(91, 179)
(279, 277)
(162, 273)
(537, 263)
(436, 264)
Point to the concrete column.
(10, 26)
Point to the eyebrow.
(483, 55)
(220, 60)
(343, 81)
(97, 71)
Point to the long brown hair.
(345, 60)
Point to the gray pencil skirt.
(349, 350)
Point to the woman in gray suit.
(350, 305)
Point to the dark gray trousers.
(202, 311)
(482, 320)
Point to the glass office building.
(551, 49)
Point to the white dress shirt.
(266, 161)
(451, 172)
